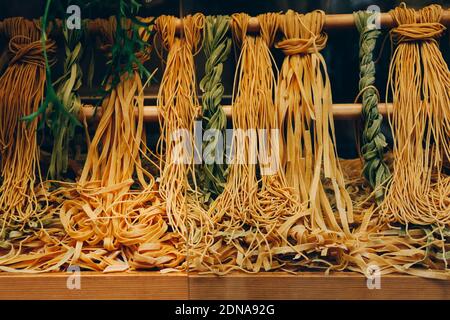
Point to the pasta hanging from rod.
(216, 45)
(115, 204)
(419, 80)
(374, 142)
(283, 201)
(251, 213)
(309, 153)
(23, 196)
(179, 109)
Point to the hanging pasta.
(413, 249)
(63, 129)
(114, 204)
(216, 46)
(278, 207)
(374, 143)
(248, 220)
(419, 80)
(310, 157)
(179, 108)
(232, 210)
(305, 99)
(23, 197)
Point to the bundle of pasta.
(115, 202)
(216, 46)
(250, 221)
(419, 79)
(30, 231)
(412, 230)
(376, 170)
(23, 198)
(309, 153)
(179, 108)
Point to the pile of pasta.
(279, 198)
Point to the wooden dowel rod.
(341, 21)
(332, 21)
(340, 111)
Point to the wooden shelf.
(271, 286)
(314, 285)
(94, 286)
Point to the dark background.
(341, 53)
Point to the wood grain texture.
(264, 286)
(313, 285)
(95, 286)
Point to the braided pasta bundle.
(216, 46)
(23, 197)
(369, 243)
(374, 143)
(419, 79)
(115, 203)
(234, 207)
